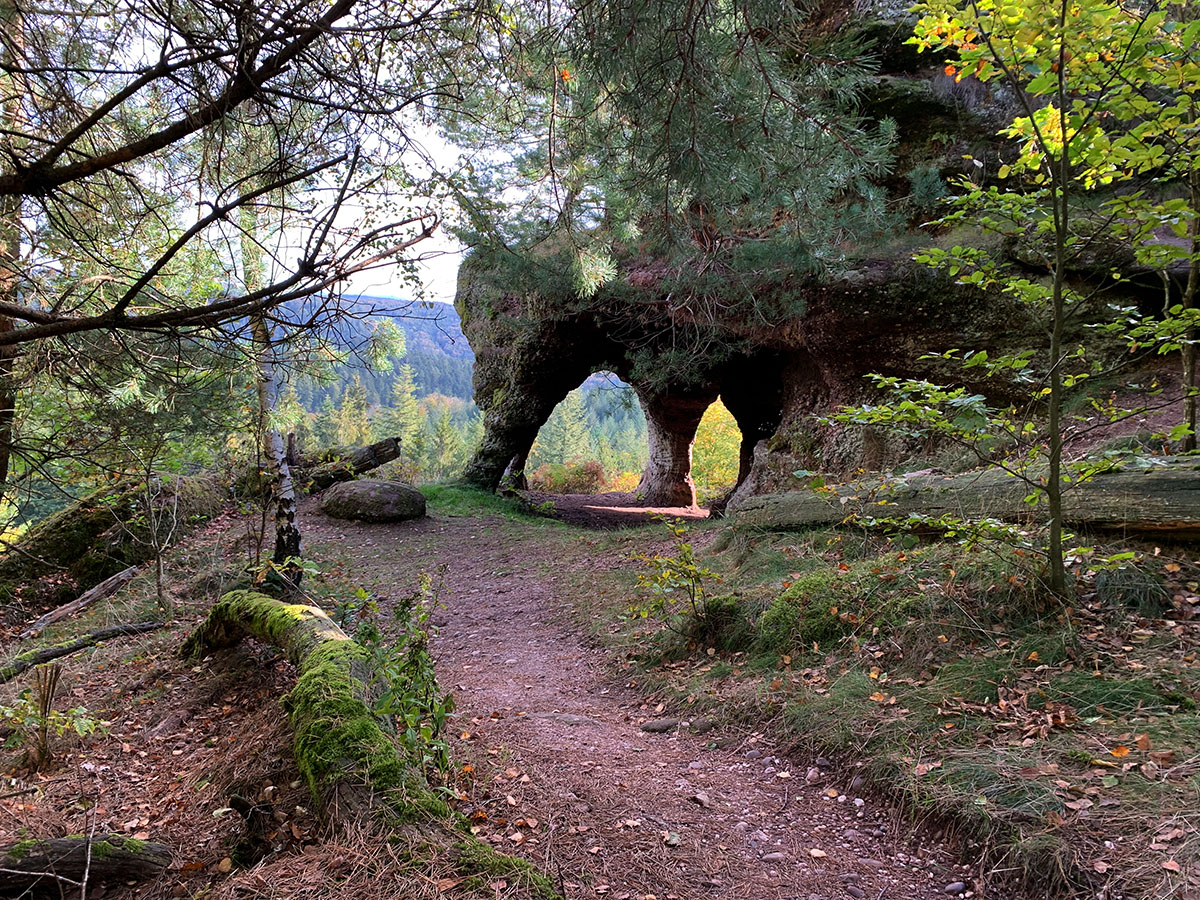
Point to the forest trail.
(562, 768)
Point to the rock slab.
(370, 500)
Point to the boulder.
(374, 501)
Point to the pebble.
(954, 887)
(873, 863)
(660, 726)
(856, 782)
(773, 857)
(813, 775)
(851, 835)
(848, 877)
(823, 763)
(855, 892)
(750, 754)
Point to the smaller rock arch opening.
(594, 441)
(716, 454)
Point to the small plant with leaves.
(406, 687)
(34, 720)
(674, 587)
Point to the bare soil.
(560, 769)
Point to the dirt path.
(566, 775)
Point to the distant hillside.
(436, 349)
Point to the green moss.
(133, 845)
(476, 856)
(338, 739)
(103, 850)
(22, 849)
(806, 613)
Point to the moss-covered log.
(1162, 500)
(345, 753)
(346, 464)
(96, 537)
(32, 658)
(57, 866)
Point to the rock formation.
(781, 350)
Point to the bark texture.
(348, 463)
(56, 866)
(106, 588)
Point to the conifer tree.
(353, 427)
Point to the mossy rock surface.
(370, 500)
(98, 536)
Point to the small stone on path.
(660, 726)
(954, 887)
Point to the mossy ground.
(1064, 737)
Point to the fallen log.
(54, 865)
(104, 589)
(348, 464)
(28, 660)
(1159, 500)
(351, 764)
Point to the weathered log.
(1160, 500)
(104, 589)
(352, 765)
(349, 463)
(32, 658)
(55, 865)
(96, 537)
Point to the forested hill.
(435, 347)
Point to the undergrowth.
(1063, 738)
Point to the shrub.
(575, 477)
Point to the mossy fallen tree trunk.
(57, 866)
(346, 464)
(345, 753)
(32, 658)
(97, 537)
(1161, 500)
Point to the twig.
(63, 878)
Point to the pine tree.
(326, 425)
(403, 418)
(565, 436)
(353, 427)
(446, 446)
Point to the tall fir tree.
(565, 436)
(353, 426)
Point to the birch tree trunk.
(279, 474)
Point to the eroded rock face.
(369, 500)
(796, 352)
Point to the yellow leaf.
(1119, 751)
